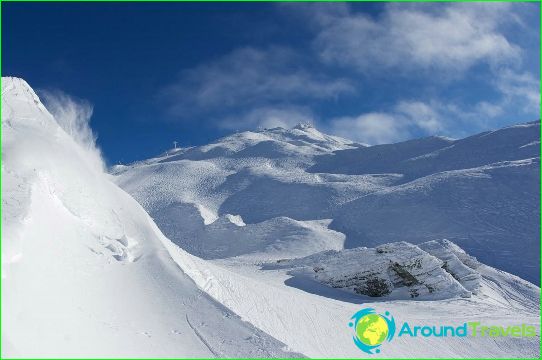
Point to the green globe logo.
(371, 329)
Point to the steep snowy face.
(85, 271)
(480, 192)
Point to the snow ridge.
(85, 271)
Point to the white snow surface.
(87, 272)
(312, 317)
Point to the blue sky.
(152, 73)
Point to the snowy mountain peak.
(21, 104)
(17, 86)
(299, 144)
(303, 126)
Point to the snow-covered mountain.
(87, 272)
(481, 192)
(290, 208)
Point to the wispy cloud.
(249, 78)
(370, 128)
(413, 118)
(520, 88)
(431, 42)
(401, 122)
(407, 37)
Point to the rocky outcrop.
(434, 270)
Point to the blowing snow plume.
(73, 115)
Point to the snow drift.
(84, 269)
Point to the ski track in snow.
(202, 339)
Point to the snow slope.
(85, 271)
(481, 192)
(491, 211)
(312, 317)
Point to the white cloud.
(249, 77)
(520, 88)
(488, 109)
(429, 42)
(276, 86)
(421, 115)
(452, 36)
(371, 128)
(405, 120)
(409, 119)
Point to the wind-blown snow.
(84, 269)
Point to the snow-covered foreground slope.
(312, 317)
(481, 192)
(84, 269)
